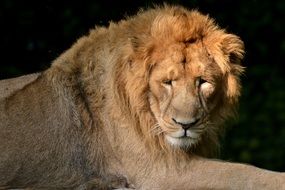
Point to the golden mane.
(154, 28)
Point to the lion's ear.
(142, 51)
(233, 49)
(142, 46)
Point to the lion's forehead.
(180, 61)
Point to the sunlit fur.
(119, 96)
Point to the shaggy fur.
(106, 106)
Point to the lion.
(143, 100)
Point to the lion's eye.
(200, 81)
(190, 41)
(167, 82)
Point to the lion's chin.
(181, 142)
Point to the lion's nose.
(186, 124)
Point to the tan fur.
(96, 112)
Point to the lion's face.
(184, 90)
(183, 79)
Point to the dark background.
(35, 33)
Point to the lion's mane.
(155, 28)
(129, 45)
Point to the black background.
(33, 33)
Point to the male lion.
(144, 98)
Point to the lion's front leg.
(202, 173)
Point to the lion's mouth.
(185, 134)
(177, 136)
(183, 138)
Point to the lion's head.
(181, 79)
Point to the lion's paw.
(109, 182)
(118, 182)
